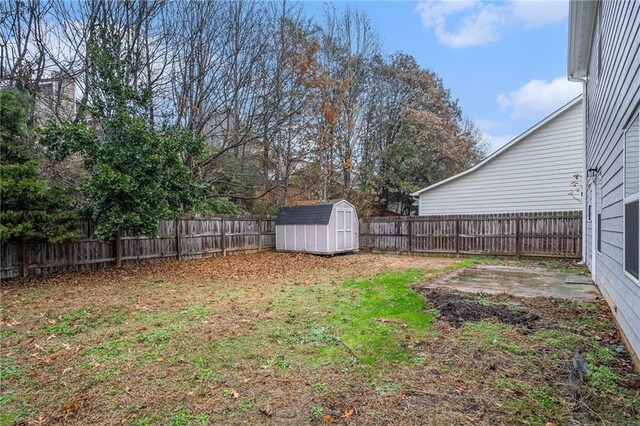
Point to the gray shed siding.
(612, 96)
(331, 236)
(299, 233)
(534, 174)
(308, 238)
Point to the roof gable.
(319, 214)
(506, 147)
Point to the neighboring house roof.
(582, 20)
(307, 215)
(505, 147)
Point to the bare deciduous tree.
(289, 108)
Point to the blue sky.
(505, 61)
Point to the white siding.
(613, 94)
(280, 238)
(319, 239)
(331, 231)
(534, 174)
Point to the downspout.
(584, 172)
(584, 165)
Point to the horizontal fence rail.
(548, 234)
(540, 234)
(186, 237)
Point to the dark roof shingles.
(306, 215)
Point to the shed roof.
(319, 214)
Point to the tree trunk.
(25, 257)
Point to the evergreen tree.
(138, 175)
(31, 207)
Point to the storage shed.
(327, 228)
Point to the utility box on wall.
(326, 228)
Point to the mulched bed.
(457, 308)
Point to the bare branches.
(22, 44)
(287, 107)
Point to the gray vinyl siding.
(612, 96)
(534, 174)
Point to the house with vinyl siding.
(532, 173)
(604, 55)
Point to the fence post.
(457, 237)
(517, 237)
(223, 242)
(409, 236)
(25, 257)
(178, 256)
(368, 244)
(369, 238)
(259, 234)
(118, 248)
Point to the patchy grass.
(492, 336)
(382, 312)
(292, 339)
(72, 323)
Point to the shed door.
(344, 229)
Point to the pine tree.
(31, 207)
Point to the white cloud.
(535, 14)
(477, 28)
(496, 141)
(434, 13)
(488, 128)
(538, 98)
(480, 23)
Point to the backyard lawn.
(269, 338)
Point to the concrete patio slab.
(578, 279)
(518, 281)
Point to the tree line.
(213, 107)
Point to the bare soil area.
(458, 308)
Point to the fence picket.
(545, 234)
(181, 238)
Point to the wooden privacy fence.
(180, 238)
(546, 234)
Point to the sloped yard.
(273, 338)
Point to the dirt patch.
(456, 309)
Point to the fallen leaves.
(9, 322)
(266, 267)
(236, 300)
(346, 413)
(39, 421)
(328, 418)
(266, 410)
(70, 408)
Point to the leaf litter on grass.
(272, 326)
